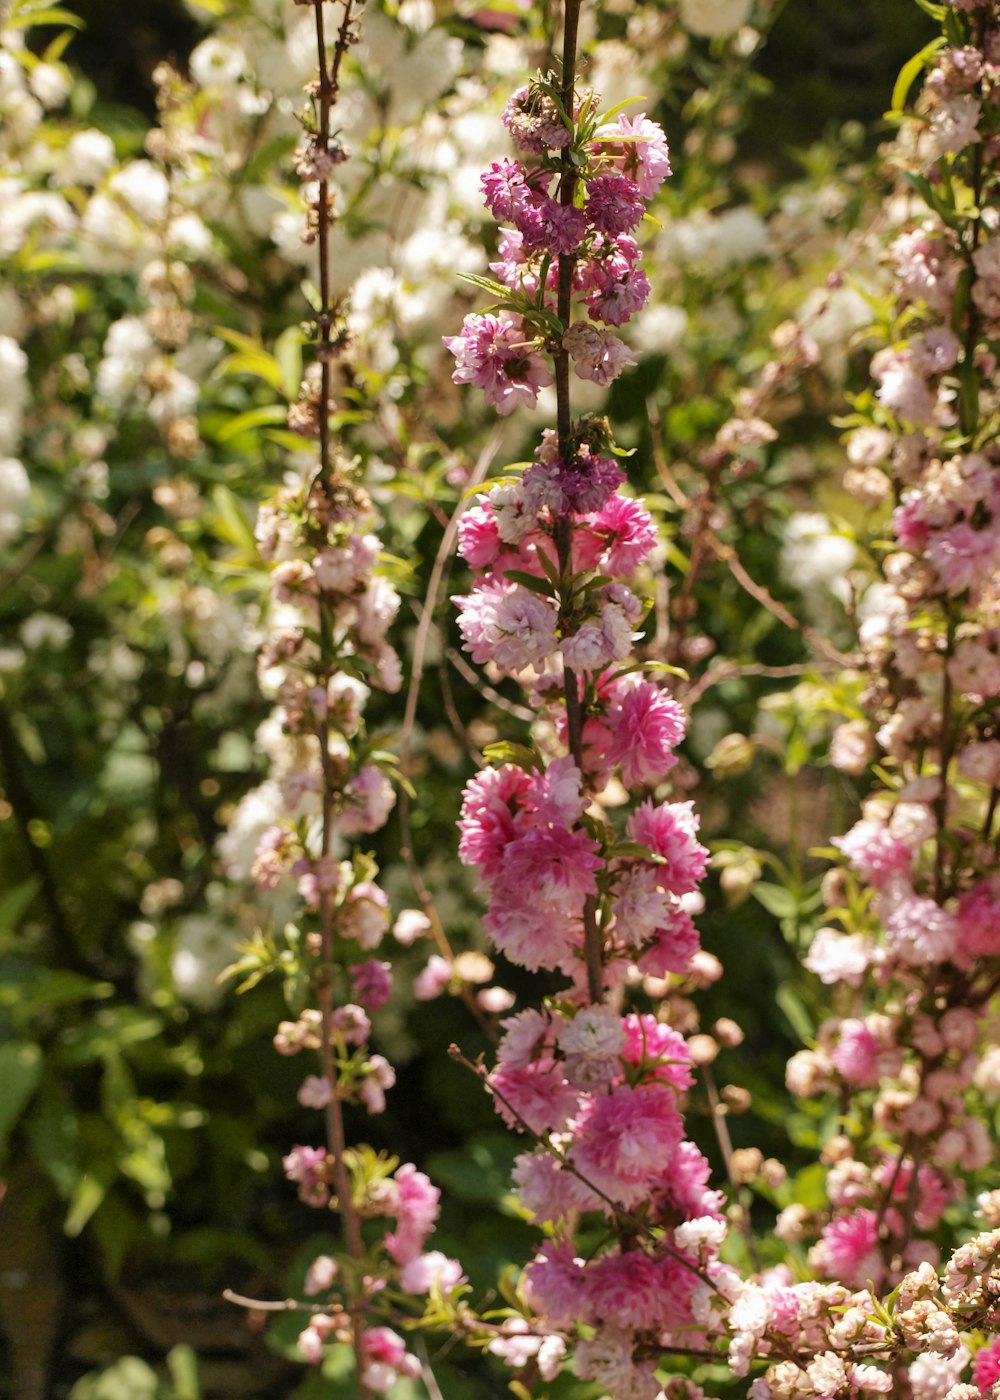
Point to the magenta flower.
(669, 831)
(848, 1250)
(505, 188)
(986, 1366)
(487, 822)
(494, 354)
(614, 204)
(646, 726)
(553, 865)
(625, 1140)
(546, 226)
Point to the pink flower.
(643, 152)
(686, 1186)
(478, 537)
(547, 226)
(646, 726)
(848, 1250)
(920, 932)
(623, 1290)
(309, 1168)
(669, 831)
(615, 299)
(659, 1049)
(839, 957)
(532, 935)
(507, 624)
(433, 1270)
(522, 1035)
(625, 1139)
(433, 979)
(372, 983)
(386, 1359)
(963, 557)
(979, 922)
(314, 1091)
(874, 853)
(641, 907)
(553, 1283)
(504, 187)
(614, 204)
(413, 1200)
(369, 798)
(858, 1054)
(537, 1095)
(986, 1366)
(626, 528)
(673, 947)
(547, 1190)
(493, 353)
(488, 821)
(554, 865)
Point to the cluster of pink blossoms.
(325, 650)
(623, 164)
(556, 556)
(916, 958)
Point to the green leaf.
(909, 71)
(791, 1003)
(507, 752)
(288, 353)
(776, 899)
(15, 903)
(89, 1193)
(127, 1379)
(183, 1367)
(265, 416)
(232, 524)
(529, 581)
(24, 16)
(20, 1073)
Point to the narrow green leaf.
(20, 1073)
(232, 524)
(909, 71)
(530, 581)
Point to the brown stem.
(946, 745)
(336, 1138)
(272, 1305)
(718, 1115)
(592, 947)
(328, 84)
(334, 1115)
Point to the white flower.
(144, 189)
(713, 19)
(13, 391)
(89, 156)
(203, 947)
(50, 84)
(15, 490)
(216, 61)
(811, 554)
(45, 630)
